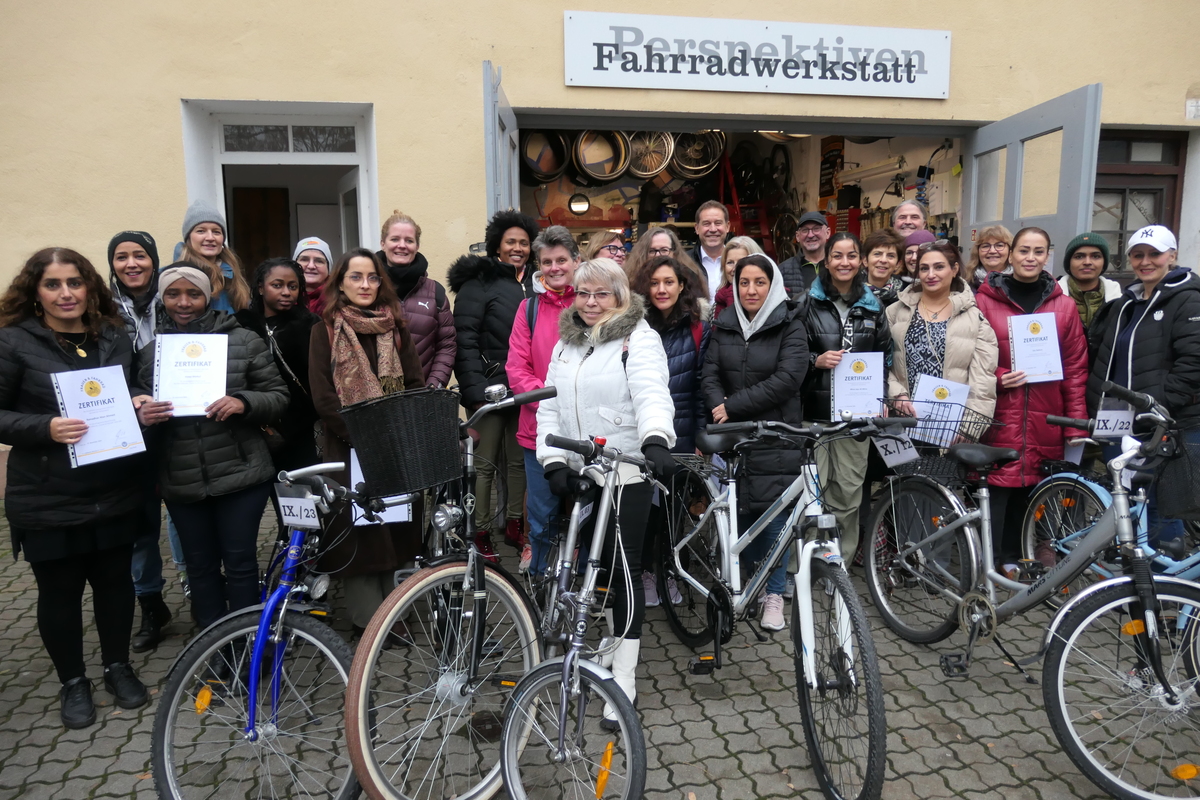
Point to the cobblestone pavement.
(735, 734)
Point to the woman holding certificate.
(1042, 370)
(844, 319)
(76, 525)
(216, 386)
(362, 351)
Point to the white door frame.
(501, 142)
(204, 156)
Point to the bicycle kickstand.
(1020, 667)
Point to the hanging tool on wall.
(926, 172)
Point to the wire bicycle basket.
(407, 441)
(941, 425)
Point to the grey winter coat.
(199, 457)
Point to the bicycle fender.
(592, 669)
(459, 558)
(1097, 587)
(1074, 477)
(955, 502)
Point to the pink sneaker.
(526, 559)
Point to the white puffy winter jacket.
(598, 395)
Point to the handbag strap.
(278, 354)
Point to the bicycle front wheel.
(593, 762)
(843, 714)
(200, 749)
(423, 720)
(699, 559)
(916, 594)
(1058, 509)
(1107, 708)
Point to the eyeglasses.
(921, 248)
(358, 277)
(599, 297)
(994, 246)
(661, 251)
(612, 249)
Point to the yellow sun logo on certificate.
(1035, 328)
(858, 367)
(92, 388)
(193, 350)
(941, 393)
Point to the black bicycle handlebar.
(1141, 402)
(815, 430)
(535, 396)
(584, 448)
(1088, 425)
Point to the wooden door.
(260, 223)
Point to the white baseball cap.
(1157, 236)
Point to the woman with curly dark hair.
(75, 526)
(488, 291)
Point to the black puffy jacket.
(760, 379)
(1165, 347)
(42, 490)
(199, 457)
(799, 274)
(869, 333)
(487, 295)
(685, 364)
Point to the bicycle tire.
(416, 729)
(700, 559)
(1059, 507)
(844, 723)
(530, 738)
(1105, 707)
(904, 513)
(192, 718)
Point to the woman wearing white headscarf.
(756, 362)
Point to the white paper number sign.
(1113, 423)
(298, 512)
(895, 451)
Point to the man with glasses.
(801, 270)
(712, 226)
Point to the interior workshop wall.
(90, 93)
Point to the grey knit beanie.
(200, 211)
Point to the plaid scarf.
(352, 374)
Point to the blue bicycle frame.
(277, 601)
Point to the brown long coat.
(370, 548)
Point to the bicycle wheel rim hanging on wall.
(545, 155)
(650, 153)
(697, 154)
(602, 156)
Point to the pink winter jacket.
(529, 356)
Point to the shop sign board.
(641, 51)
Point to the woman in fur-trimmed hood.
(611, 373)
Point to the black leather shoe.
(124, 685)
(78, 710)
(155, 615)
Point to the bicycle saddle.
(978, 456)
(709, 444)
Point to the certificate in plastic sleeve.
(1033, 339)
(189, 371)
(858, 386)
(99, 397)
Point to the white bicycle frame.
(723, 511)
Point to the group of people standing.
(645, 347)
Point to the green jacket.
(199, 457)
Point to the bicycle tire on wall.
(411, 693)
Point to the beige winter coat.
(971, 351)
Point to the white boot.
(608, 641)
(624, 668)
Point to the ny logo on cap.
(1147, 233)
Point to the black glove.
(565, 481)
(659, 459)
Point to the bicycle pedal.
(954, 665)
(702, 665)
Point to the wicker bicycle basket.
(940, 426)
(406, 441)
(1179, 483)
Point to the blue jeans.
(147, 560)
(539, 505)
(761, 546)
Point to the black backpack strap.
(531, 312)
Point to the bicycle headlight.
(446, 517)
(317, 585)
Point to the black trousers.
(1008, 513)
(221, 531)
(633, 513)
(60, 585)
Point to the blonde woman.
(736, 249)
(627, 403)
(204, 245)
(606, 244)
(990, 253)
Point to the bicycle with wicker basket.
(434, 669)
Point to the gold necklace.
(934, 314)
(79, 351)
